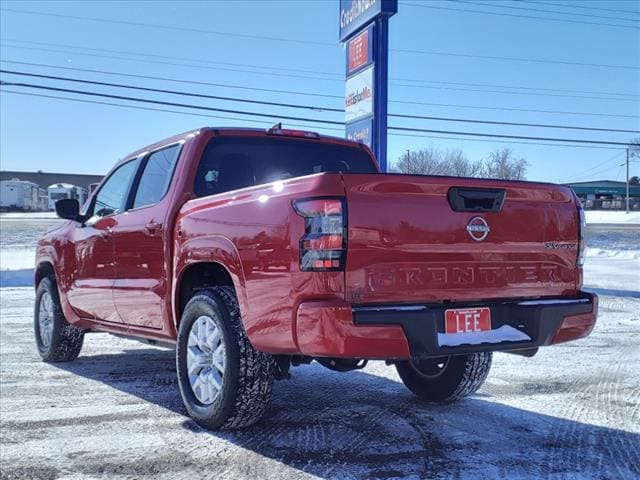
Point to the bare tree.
(458, 165)
(504, 165)
(423, 162)
(433, 161)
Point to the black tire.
(66, 340)
(248, 374)
(445, 379)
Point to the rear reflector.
(323, 246)
(582, 241)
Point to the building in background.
(44, 179)
(58, 191)
(606, 194)
(32, 191)
(21, 195)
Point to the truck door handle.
(152, 228)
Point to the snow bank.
(28, 216)
(604, 217)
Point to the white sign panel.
(358, 97)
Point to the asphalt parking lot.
(570, 412)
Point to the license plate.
(467, 320)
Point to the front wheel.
(224, 382)
(445, 379)
(56, 339)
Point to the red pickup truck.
(252, 251)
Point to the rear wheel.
(224, 382)
(56, 339)
(445, 379)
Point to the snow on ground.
(615, 217)
(572, 411)
(19, 233)
(28, 216)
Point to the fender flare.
(209, 249)
(49, 255)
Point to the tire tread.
(67, 343)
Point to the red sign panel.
(467, 320)
(358, 53)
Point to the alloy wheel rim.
(206, 359)
(45, 319)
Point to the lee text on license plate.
(467, 320)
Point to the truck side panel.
(265, 230)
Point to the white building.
(20, 195)
(58, 191)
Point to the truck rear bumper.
(336, 329)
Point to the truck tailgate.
(407, 244)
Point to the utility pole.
(627, 180)
(408, 161)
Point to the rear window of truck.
(232, 163)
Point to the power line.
(596, 170)
(311, 107)
(575, 5)
(494, 135)
(161, 62)
(261, 37)
(137, 107)
(171, 27)
(474, 140)
(169, 57)
(316, 127)
(595, 167)
(272, 74)
(491, 122)
(170, 104)
(535, 17)
(286, 117)
(512, 93)
(502, 5)
(512, 59)
(166, 79)
(340, 76)
(177, 92)
(292, 92)
(493, 85)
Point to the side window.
(156, 176)
(112, 196)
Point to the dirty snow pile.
(601, 217)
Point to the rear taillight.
(324, 244)
(582, 243)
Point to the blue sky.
(56, 135)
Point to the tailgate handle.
(464, 199)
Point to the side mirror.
(69, 209)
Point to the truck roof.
(235, 131)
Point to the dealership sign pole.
(364, 26)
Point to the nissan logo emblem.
(478, 228)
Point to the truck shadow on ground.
(611, 292)
(359, 425)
